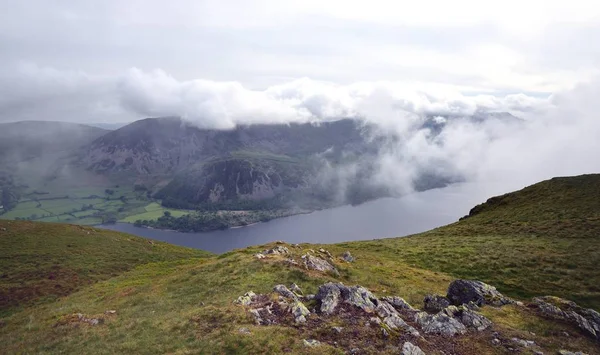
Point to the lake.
(383, 218)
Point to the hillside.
(41, 262)
(186, 305)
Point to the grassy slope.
(41, 261)
(185, 305)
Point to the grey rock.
(316, 263)
(277, 250)
(246, 299)
(311, 343)
(257, 317)
(523, 343)
(439, 324)
(285, 292)
(244, 331)
(474, 320)
(359, 296)
(299, 311)
(410, 349)
(537, 352)
(587, 320)
(435, 303)
(495, 341)
(338, 329)
(465, 291)
(395, 322)
(309, 297)
(385, 333)
(375, 321)
(348, 257)
(329, 295)
(566, 352)
(259, 256)
(398, 303)
(296, 289)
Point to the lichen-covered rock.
(395, 322)
(410, 349)
(277, 250)
(439, 324)
(246, 299)
(359, 296)
(311, 343)
(587, 320)
(474, 320)
(299, 311)
(259, 256)
(465, 291)
(435, 303)
(329, 295)
(566, 352)
(316, 263)
(398, 303)
(296, 289)
(285, 292)
(348, 257)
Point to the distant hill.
(542, 240)
(22, 141)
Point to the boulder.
(398, 303)
(299, 311)
(566, 352)
(329, 295)
(360, 297)
(316, 263)
(285, 292)
(410, 349)
(259, 256)
(435, 303)
(587, 320)
(440, 323)
(465, 291)
(348, 257)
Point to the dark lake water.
(383, 218)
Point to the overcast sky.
(225, 61)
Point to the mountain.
(27, 140)
(182, 162)
(36, 151)
(542, 240)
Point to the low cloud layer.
(556, 136)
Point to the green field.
(86, 205)
(153, 211)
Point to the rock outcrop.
(479, 293)
(440, 324)
(435, 303)
(318, 264)
(410, 349)
(587, 320)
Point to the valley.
(79, 289)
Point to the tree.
(167, 214)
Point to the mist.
(548, 136)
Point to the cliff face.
(233, 179)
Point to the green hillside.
(543, 240)
(42, 261)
